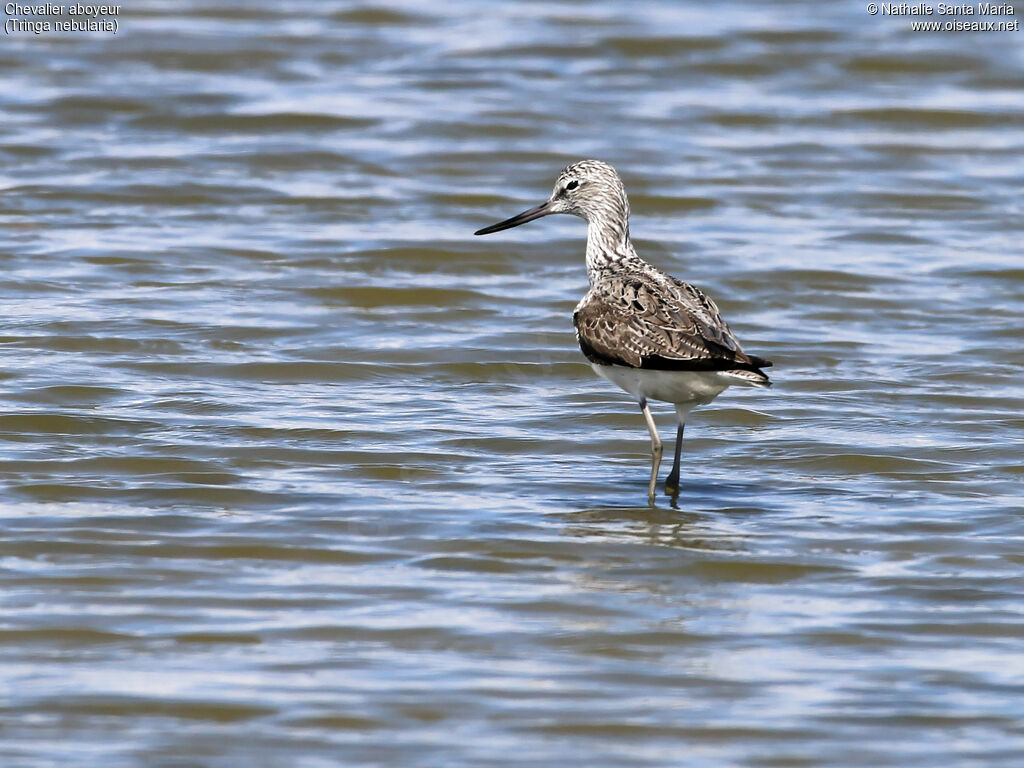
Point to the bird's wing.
(663, 323)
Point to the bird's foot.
(652, 488)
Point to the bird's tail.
(748, 378)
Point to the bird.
(653, 335)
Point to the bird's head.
(590, 189)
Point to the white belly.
(681, 387)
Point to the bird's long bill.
(543, 209)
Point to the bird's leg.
(655, 450)
(672, 481)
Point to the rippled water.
(297, 472)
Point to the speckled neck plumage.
(607, 215)
(608, 243)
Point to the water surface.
(297, 472)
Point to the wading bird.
(655, 336)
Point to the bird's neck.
(608, 245)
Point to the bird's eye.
(572, 184)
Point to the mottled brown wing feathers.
(664, 324)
